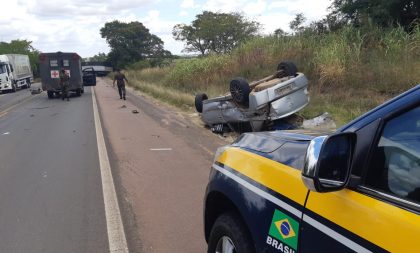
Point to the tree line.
(219, 33)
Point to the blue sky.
(73, 25)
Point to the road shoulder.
(162, 162)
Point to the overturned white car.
(255, 106)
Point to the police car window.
(53, 63)
(66, 63)
(395, 165)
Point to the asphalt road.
(9, 99)
(50, 182)
(51, 193)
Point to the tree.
(22, 47)
(297, 23)
(100, 57)
(131, 42)
(215, 32)
(382, 12)
(280, 32)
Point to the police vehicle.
(356, 190)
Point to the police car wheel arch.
(228, 228)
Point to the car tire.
(228, 229)
(50, 94)
(199, 98)
(13, 87)
(78, 92)
(288, 67)
(82, 90)
(239, 89)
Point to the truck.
(50, 65)
(100, 68)
(356, 189)
(15, 72)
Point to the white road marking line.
(116, 235)
(160, 149)
(5, 111)
(6, 133)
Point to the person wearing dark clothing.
(119, 78)
(64, 84)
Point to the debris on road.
(135, 111)
(123, 106)
(323, 121)
(36, 91)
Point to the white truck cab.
(15, 72)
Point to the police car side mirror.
(328, 162)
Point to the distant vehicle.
(101, 68)
(89, 77)
(355, 190)
(15, 72)
(50, 65)
(258, 103)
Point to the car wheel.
(199, 98)
(288, 68)
(239, 89)
(229, 235)
(83, 90)
(50, 94)
(78, 92)
(13, 87)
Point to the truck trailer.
(100, 68)
(50, 65)
(15, 72)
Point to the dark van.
(50, 65)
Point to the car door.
(379, 213)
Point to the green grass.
(350, 71)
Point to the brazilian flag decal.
(284, 229)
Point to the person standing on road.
(120, 77)
(64, 84)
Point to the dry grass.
(350, 71)
(168, 95)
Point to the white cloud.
(272, 21)
(65, 25)
(313, 10)
(73, 25)
(183, 13)
(255, 8)
(186, 4)
(156, 24)
(224, 5)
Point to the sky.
(73, 25)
